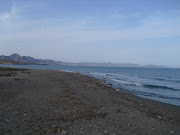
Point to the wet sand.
(54, 103)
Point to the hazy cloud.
(152, 27)
(10, 14)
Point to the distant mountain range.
(26, 59)
(12, 62)
(16, 59)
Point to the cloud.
(84, 22)
(157, 26)
(13, 9)
(147, 31)
(6, 16)
(174, 12)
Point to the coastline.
(38, 101)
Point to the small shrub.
(5, 74)
(17, 79)
(12, 69)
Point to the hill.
(19, 60)
(26, 59)
(12, 62)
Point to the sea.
(159, 84)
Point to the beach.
(38, 101)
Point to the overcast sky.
(118, 31)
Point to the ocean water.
(159, 84)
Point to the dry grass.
(5, 74)
(57, 128)
(12, 69)
(25, 72)
(19, 79)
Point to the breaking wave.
(145, 85)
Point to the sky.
(118, 31)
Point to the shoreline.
(77, 104)
(121, 90)
(165, 99)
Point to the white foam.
(127, 83)
(101, 74)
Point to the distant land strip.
(16, 59)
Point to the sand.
(55, 103)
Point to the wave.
(67, 71)
(155, 95)
(161, 87)
(159, 79)
(127, 83)
(145, 85)
(176, 98)
(99, 74)
(163, 79)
